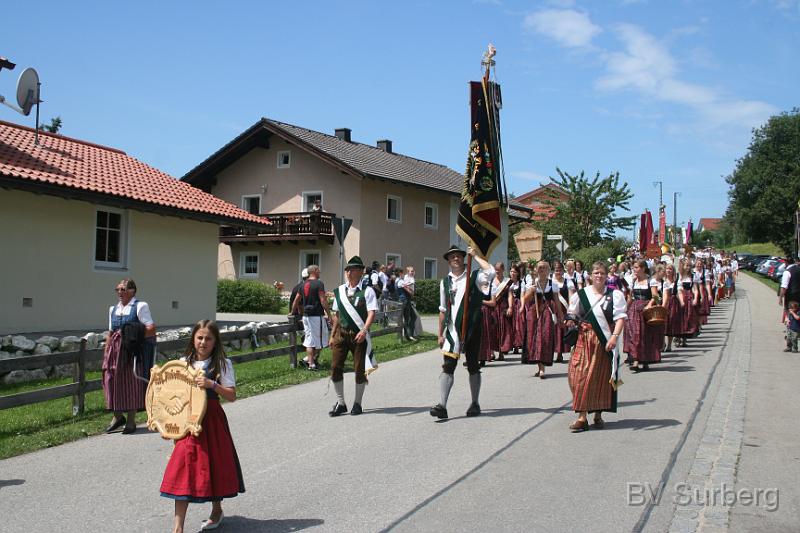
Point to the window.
(394, 208)
(430, 268)
(284, 159)
(310, 198)
(252, 204)
(309, 257)
(110, 238)
(431, 215)
(248, 265)
(397, 259)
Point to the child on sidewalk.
(792, 327)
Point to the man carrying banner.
(453, 305)
(355, 308)
(462, 291)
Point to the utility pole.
(675, 220)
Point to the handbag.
(570, 336)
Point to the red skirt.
(541, 333)
(674, 317)
(589, 374)
(505, 325)
(688, 314)
(519, 324)
(121, 389)
(642, 342)
(204, 468)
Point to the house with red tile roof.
(534, 206)
(708, 224)
(76, 217)
(403, 209)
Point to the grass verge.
(42, 425)
(757, 248)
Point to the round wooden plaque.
(175, 403)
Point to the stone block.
(42, 349)
(49, 341)
(18, 342)
(70, 344)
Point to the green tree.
(53, 127)
(589, 215)
(765, 185)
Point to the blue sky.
(657, 90)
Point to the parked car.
(778, 270)
(764, 267)
(752, 262)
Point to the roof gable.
(71, 167)
(351, 157)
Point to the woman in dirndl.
(592, 377)
(541, 314)
(206, 468)
(642, 343)
(123, 391)
(687, 295)
(517, 312)
(504, 314)
(669, 297)
(490, 338)
(561, 301)
(699, 279)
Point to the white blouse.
(228, 377)
(618, 301)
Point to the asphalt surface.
(515, 468)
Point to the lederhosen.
(344, 338)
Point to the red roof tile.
(709, 224)
(84, 166)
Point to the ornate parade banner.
(175, 403)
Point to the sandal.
(579, 425)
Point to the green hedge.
(426, 295)
(246, 296)
(600, 252)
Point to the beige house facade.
(402, 209)
(76, 218)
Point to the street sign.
(554, 237)
(341, 226)
(561, 246)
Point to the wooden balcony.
(286, 227)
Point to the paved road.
(517, 468)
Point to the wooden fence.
(79, 358)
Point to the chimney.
(343, 134)
(385, 145)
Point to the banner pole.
(463, 336)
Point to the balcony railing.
(305, 226)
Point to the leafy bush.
(600, 252)
(246, 296)
(426, 295)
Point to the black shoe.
(338, 409)
(116, 425)
(303, 362)
(129, 430)
(474, 409)
(356, 410)
(439, 411)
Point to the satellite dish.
(28, 90)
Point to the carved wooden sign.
(175, 404)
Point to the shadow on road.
(10, 482)
(241, 523)
(399, 411)
(635, 402)
(674, 368)
(648, 424)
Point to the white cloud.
(568, 27)
(645, 65)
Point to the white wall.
(47, 251)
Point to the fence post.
(78, 400)
(293, 341)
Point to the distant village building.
(76, 217)
(403, 209)
(533, 206)
(708, 224)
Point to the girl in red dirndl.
(206, 468)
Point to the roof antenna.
(28, 91)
